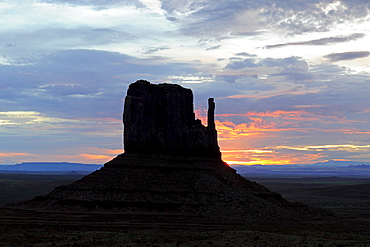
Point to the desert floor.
(348, 198)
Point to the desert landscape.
(347, 198)
(185, 123)
(171, 188)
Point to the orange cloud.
(280, 155)
(112, 151)
(95, 157)
(100, 151)
(292, 115)
(258, 127)
(263, 121)
(299, 115)
(84, 155)
(13, 154)
(241, 143)
(201, 114)
(268, 157)
(331, 147)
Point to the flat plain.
(347, 198)
(20, 187)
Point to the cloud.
(229, 78)
(314, 16)
(334, 57)
(245, 54)
(67, 64)
(36, 28)
(291, 83)
(27, 118)
(13, 154)
(213, 48)
(102, 4)
(77, 83)
(293, 68)
(55, 136)
(257, 113)
(59, 38)
(86, 156)
(69, 90)
(323, 41)
(150, 50)
(209, 18)
(249, 62)
(303, 127)
(289, 62)
(270, 157)
(332, 146)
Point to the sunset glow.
(290, 81)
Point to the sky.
(290, 78)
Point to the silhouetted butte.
(171, 166)
(160, 119)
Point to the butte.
(171, 174)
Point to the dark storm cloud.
(323, 41)
(334, 57)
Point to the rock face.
(160, 119)
(171, 166)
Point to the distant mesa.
(171, 168)
(49, 167)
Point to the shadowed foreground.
(18, 227)
(25, 228)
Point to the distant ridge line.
(50, 166)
